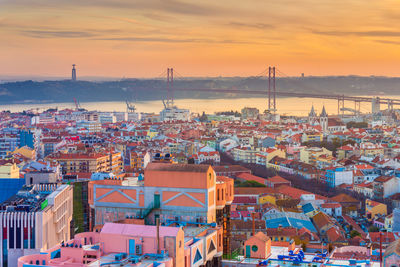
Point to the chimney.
(158, 235)
(254, 223)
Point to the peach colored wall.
(199, 196)
(220, 194)
(171, 179)
(169, 194)
(130, 192)
(183, 201)
(219, 237)
(211, 201)
(100, 182)
(141, 200)
(114, 197)
(263, 250)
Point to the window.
(254, 248)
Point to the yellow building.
(25, 151)
(312, 137)
(373, 208)
(371, 150)
(262, 199)
(88, 162)
(9, 170)
(309, 155)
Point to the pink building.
(133, 245)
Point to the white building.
(90, 126)
(175, 114)
(39, 222)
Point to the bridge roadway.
(360, 99)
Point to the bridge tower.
(169, 103)
(271, 90)
(390, 105)
(376, 105)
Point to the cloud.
(168, 6)
(252, 25)
(360, 33)
(58, 34)
(180, 40)
(388, 42)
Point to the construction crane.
(130, 107)
(77, 105)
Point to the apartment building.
(37, 218)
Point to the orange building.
(179, 194)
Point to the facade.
(170, 192)
(174, 114)
(309, 155)
(337, 176)
(135, 245)
(9, 170)
(373, 208)
(391, 258)
(88, 162)
(35, 219)
(250, 113)
(91, 126)
(244, 154)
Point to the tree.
(373, 228)
(250, 183)
(354, 233)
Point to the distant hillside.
(153, 89)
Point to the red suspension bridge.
(271, 93)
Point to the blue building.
(9, 187)
(26, 139)
(289, 219)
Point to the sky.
(142, 38)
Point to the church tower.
(312, 116)
(323, 120)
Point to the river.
(285, 106)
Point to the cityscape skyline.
(141, 38)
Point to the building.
(88, 162)
(309, 155)
(244, 154)
(37, 218)
(89, 126)
(250, 113)
(391, 257)
(337, 176)
(385, 186)
(373, 208)
(135, 245)
(174, 114)
(276, 181)
(258, 246)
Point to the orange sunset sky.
(199, 38)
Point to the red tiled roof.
(277, 179)
(296, 193)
